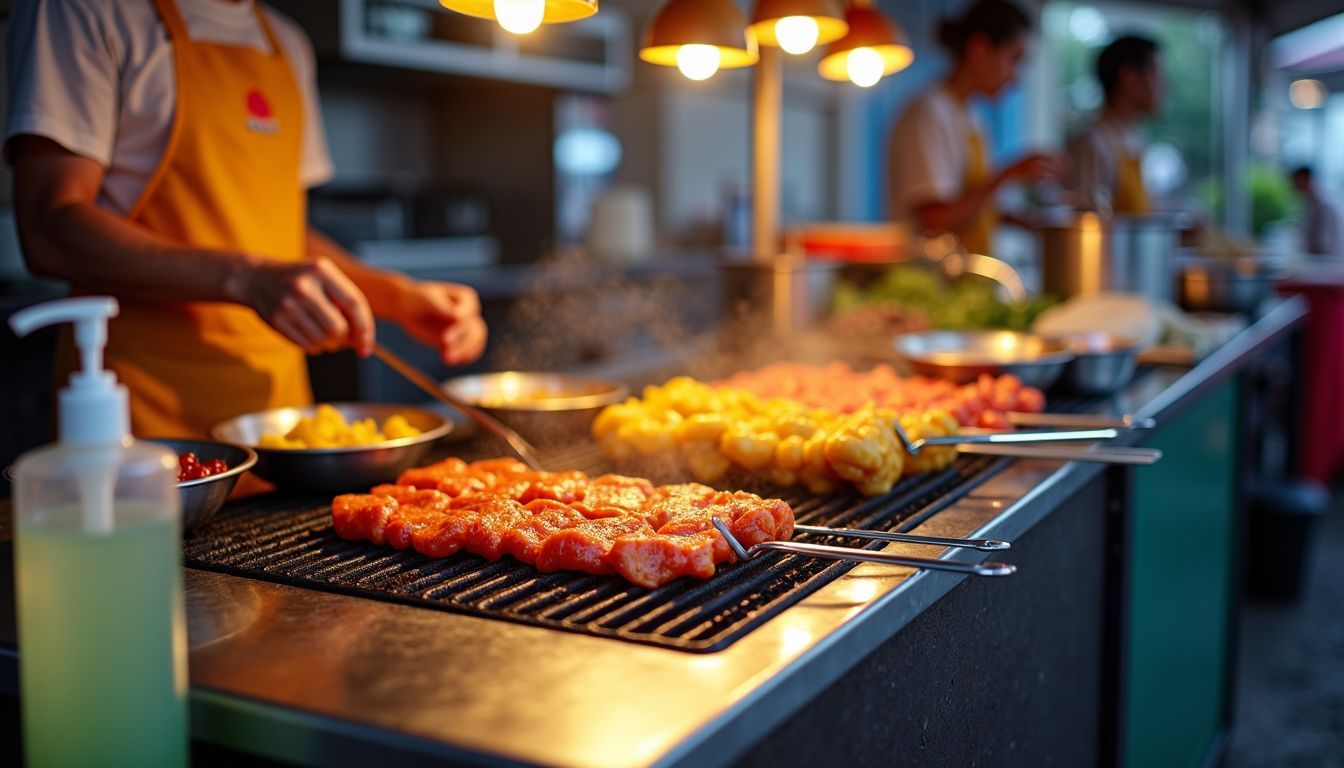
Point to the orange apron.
(229, 179)
(978, 234)
(1130, 196)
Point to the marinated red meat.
(560, 520)
(584, 547)
(361, 516)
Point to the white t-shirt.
(1094, 156)
(97, 77)
(1324, 235)
(928, 152)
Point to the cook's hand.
(1037, 166)
(311, 303)
(446, 316)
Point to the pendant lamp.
(699, 37)
(523, 16)
(797, 26)
(872, 49)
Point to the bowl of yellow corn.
(334, 446)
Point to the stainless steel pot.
(785, 296)
(1127, 254)
(1226, 285)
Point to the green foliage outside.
(1273, 198)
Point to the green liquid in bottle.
(102, 644)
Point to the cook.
(161, 153)
(940, 177)
(1105, 159)
(1322, 224)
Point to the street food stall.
(839, 492)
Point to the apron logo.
(259, 118)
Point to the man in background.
(1322, 228)
(1105, 159)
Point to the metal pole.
(765, 147)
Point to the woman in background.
(940, 177)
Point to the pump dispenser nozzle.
(94, 407)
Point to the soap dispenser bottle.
(97, 560)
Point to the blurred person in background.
(1105, 160)
(1322, 226)
(940, 179)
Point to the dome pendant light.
(523, 16)
(797, 26)
(872, 49)
(698, 37)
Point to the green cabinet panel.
(1181, 586)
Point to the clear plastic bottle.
(102, 628)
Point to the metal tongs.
(859, 555)
(984, 545)
(1011, 444)
(525, 450)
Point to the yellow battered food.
(713, 430)
(327, 428)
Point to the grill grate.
(289, 540)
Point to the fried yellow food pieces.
(328, 428)
(713, 431)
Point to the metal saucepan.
(963, 355)
(548, 409)
(1211, 284)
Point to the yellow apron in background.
(978, 234)
(1129, 196)
(228, 179)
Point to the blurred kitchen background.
(463, 152)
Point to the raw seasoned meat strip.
(414, 511)
(477, 524)
(361, 516)
(651, 561)
(584, 547)
(560, 520)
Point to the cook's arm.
(957, 215)
(66, 235)
(445, 316)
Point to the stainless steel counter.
(322, 678)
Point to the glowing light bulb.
(864, 67)
(698, 62)
(796, 34)
(520, 16)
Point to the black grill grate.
(289, 540)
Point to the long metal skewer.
(913, 447)
(1077, 421)
(419, 378)
(984, 545)
(1132, 456)
(860, 555)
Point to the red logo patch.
(257, 106)
(259, 116)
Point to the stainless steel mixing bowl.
(1103, 364)
(333, 469)
(548, 409)
(963, 355)
(202, 497)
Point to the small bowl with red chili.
(207, 472)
